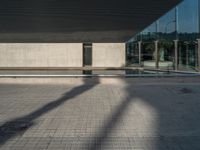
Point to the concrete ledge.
(67, 68)
(161, 64)
(102, 80)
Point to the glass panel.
(167, 22)
(148, 54)
(149, 34)
(188, 56)
(166, 54)
(132, 54)
(188, 16)
(188, 25)
(167, 26)
(182, 23)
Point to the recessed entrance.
(87, 54)
(87, 57)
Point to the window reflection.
(148, 54)
(166, 54)
(188, 55)
(180, 24)
(132, 54)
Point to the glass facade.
(169, 43)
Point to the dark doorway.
(87, 54)
(87, 57)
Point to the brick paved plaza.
(125, 115)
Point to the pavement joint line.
(99, 75)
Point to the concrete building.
(76, 33)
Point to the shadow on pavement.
(19, 125)
(173, 108)
(176, 118)
(101, 137)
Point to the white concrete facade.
(60, 54)
(41, 55)
(108, 55)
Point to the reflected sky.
(187, 19)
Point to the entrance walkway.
(152, 115)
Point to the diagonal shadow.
(100, 138)
(177, 125)
(19, 125)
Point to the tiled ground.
(100, 116)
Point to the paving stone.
(100, 116)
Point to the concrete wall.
(108, 55)
(60, 55)
(41, 55)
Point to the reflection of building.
(176, 37)
(96, 34)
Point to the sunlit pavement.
(95, 115)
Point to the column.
(156, 54)
(187, 55)
(176, 54)
(198, 54)
(139, 47)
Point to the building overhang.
(77, 20)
